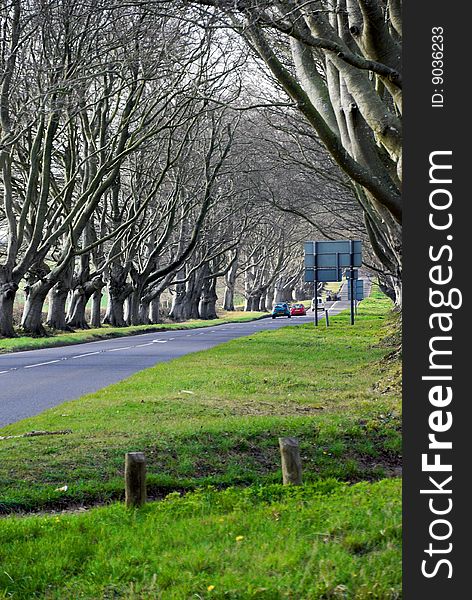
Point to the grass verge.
(209, 422)
(214, 417)
(316, 542)
(57, 338)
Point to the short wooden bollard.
(135, 479)
(291, 461)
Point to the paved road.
(35, 380)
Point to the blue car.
(281, 310)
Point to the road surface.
(35, 380)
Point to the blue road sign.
(333, 247)
(358, 290)
(333, 254)
(324, 261)
(323, 275)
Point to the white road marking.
(159, 341)
(141, 345)
(49, 362)
(120, 348)
(86, 354)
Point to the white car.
(321, 305)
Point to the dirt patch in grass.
(276, 409)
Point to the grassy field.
(322, 541)
(212, 419)
(57, 338)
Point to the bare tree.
(339, 61)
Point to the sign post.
(325, 260)
(316, 289)
(351, 278)
(358, 290)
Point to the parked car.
(298, 309)
(332, 297)
(321, 305)
(281, 310)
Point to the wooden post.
(291, 461)
(135, 479)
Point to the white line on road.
(120, 348)
(49, 362)
(159, 341)
(86, 354)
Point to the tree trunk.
(76, 317)
(269, 299)
(398, 287)
(191, 304)
(96, 311)
(177, 308)
(131, 309)
(186, 300)
(207, 304)
(114, 315)
(118, 291)
(7, 298)
(256, 301)
(249, 303)
(155, 310)
(230, 283)
(211, 308)
(31, 321)
(228, 299)
(144, 311)
(56, 318)
(248, 290)
(194, 292)
(136, 311)
(207, 307)
(262, 303)
(150, 306)
(81, 295)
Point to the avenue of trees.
(160, 147)
(339, 61)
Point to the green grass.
(214, 417)
(57, 338)
(209, 424)
(325, 541)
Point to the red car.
(298, 309)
